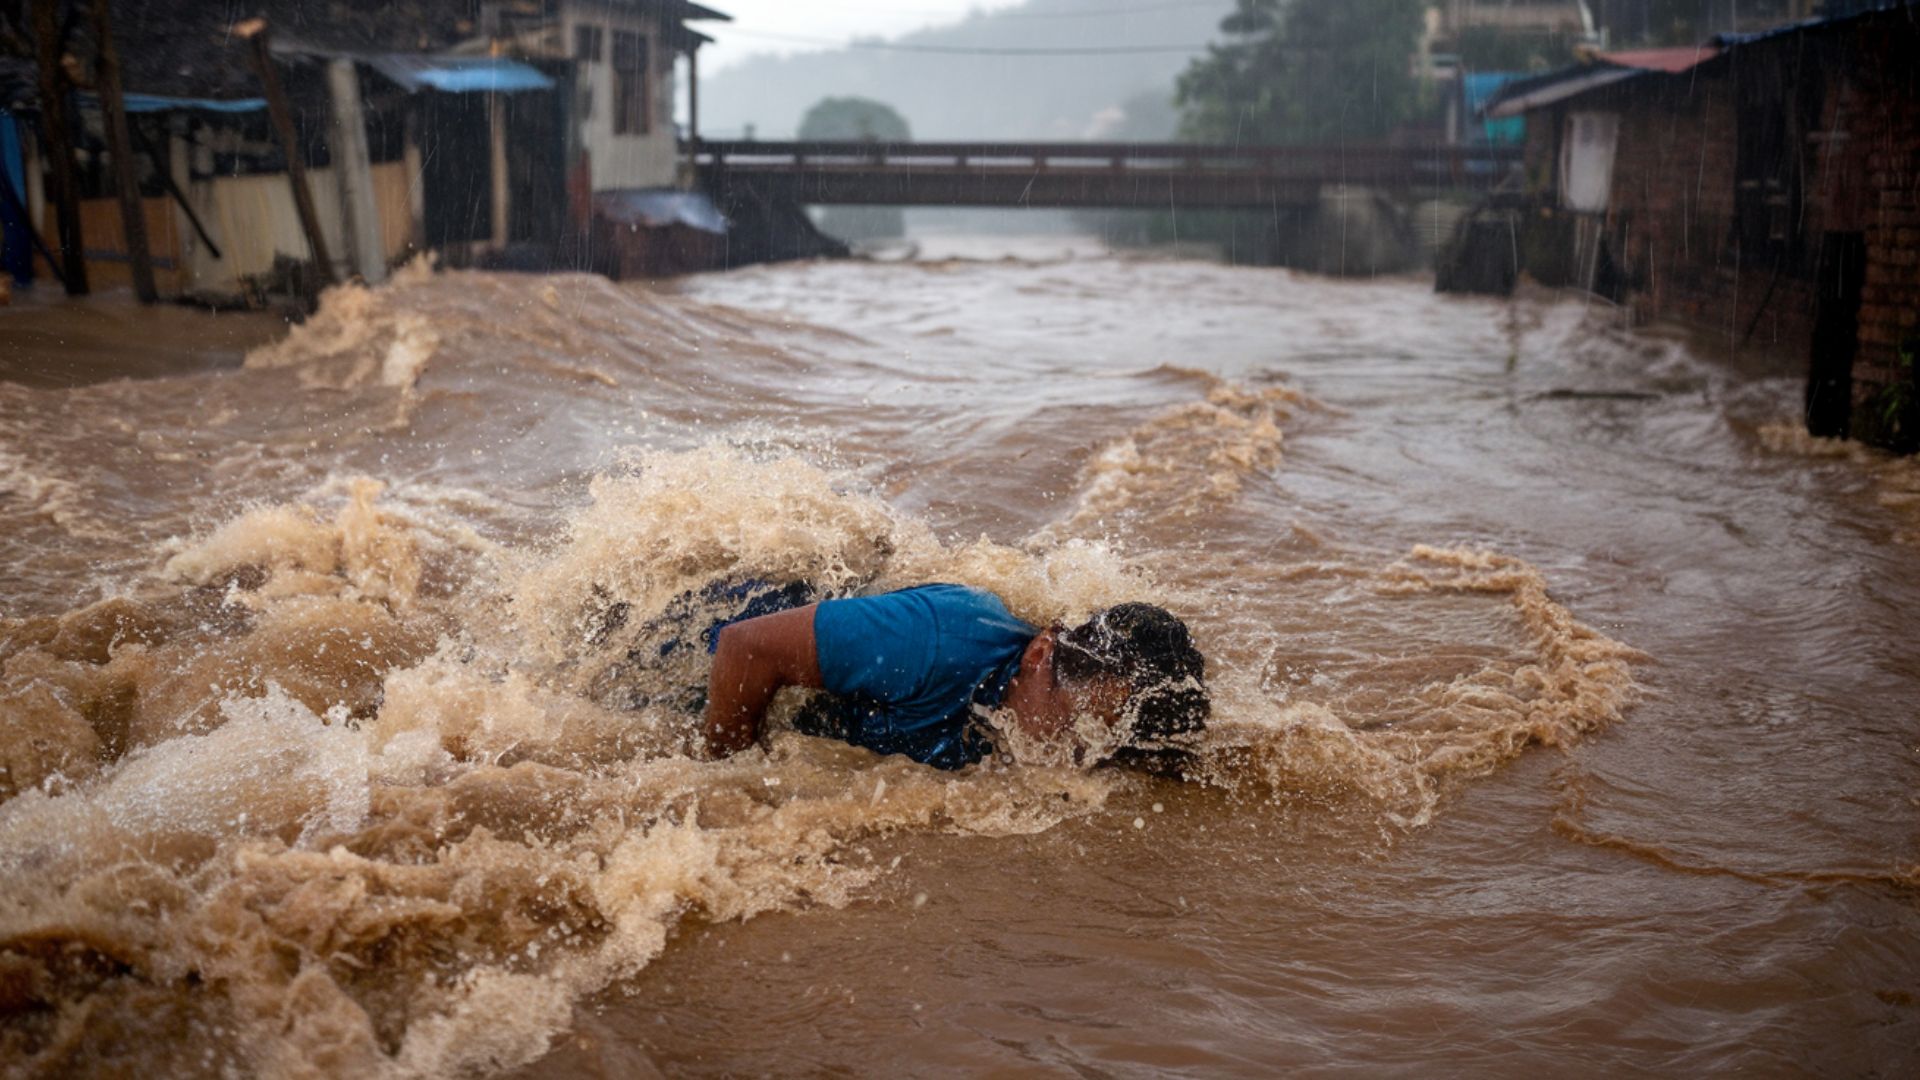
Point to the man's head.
(1132, 669)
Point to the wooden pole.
(502, 196)
(58, 129)
(31, 163)
(416, 180)
(693, 101)
(166, 171)
(353, 170)
(255, 30)
(133, 215)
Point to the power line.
(1099, 12)
(969, 50)
(1003, 13)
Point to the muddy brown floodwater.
(1565, 699)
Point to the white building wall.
(622, 161)
(253, 219)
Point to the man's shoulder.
(946, 592)
(940, 610)
(949, 600)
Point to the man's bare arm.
(755, 658)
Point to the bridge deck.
(1126, 175)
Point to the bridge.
(1141, 176)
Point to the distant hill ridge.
(979, 97)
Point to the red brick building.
(1764, 188)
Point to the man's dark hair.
(1167, 703)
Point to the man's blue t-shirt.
(907, 669)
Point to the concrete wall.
(250, 218)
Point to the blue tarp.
(152, 103)
(16, 253)
(1478, 87)
(659, 207)
(459, 74)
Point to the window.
(587, 43)
(1586, 160)
(632, 89)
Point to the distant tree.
(1493, 48)
(1148, 116)
(854, 118)
(1305, 72)
(863, 119)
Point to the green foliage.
(1314, 71)
(1894, 405)
(1490, 48)
(1148, 116)
(863, 119)
(854, 118)
(1675, 22)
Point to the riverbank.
(50, 340)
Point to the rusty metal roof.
(1671, 61)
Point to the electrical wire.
(1004, 13)
(969, 50)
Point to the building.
(1764, 188)
(623, 54)
(635, 210)
(465, 129)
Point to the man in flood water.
(920, 671)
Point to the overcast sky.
(832, 20)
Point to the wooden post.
(58, 129)
(255, 30)
(353, 169)
(693, 103)
(36, 193)
(502, 198)
(416, 180)
(133, 215)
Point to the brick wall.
(1878, 163)
(1672, 227)
(1670, 221)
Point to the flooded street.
(1564, 696)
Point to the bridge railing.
(1442, 166)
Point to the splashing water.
(359, 751)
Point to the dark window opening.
(1777, 102)
(632, 89)
(587, 43)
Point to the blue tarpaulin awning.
(459, 74)
(655, 208)
(153, 103)
(1479, 86)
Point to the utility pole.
(57, 127)
(133, 215)
(353, 168)
(255, 31)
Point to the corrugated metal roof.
(1517, 98)
(1672, 61)
(1608, 68)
